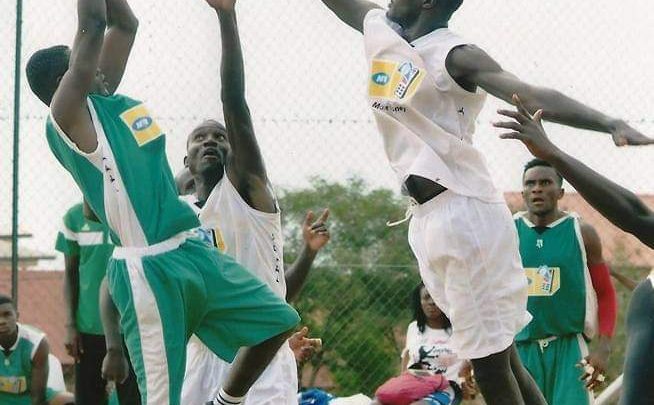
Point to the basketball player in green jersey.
(164, 282)
(626, 211)
(570, 292)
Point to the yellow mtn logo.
(140, 122)
(394, 80)
(544, 281)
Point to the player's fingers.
(538, 117)
(304, 331)
(521, 118)
(516, 126)
(512, 135)
(308, 219)
(521, 107)
(324, 215)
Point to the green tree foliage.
(357, 298)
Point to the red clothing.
(606, 298)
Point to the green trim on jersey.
(134, 169)
(555, 264)
(90, 241)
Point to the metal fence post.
(14, 202)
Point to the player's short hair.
(45, 68)
(450, 6)
(542, 163)
(5, 299)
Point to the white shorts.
(206, 373)
(467, 251)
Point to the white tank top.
(252, 237)
(425, 118)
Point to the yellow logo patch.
(544, 281)
(394, 81)
(13, 385)
(140, 122)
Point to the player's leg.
(564, 354)
(638, 370)
(205, 373)
(152, 297)
(241, 312)
(90, 388)
(278, 384)
(527, 366)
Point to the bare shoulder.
(468, 59)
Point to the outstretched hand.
(623, 135)
(222, 5)
(315, 232)
(303, 347)
(528, 129)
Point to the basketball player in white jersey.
(239, 215)
(426, 87)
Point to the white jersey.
(254, 239)
(425, 118)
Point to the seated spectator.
(428, 361)
(24, 363)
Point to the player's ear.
(185, 161)
(429, 4)
(561, 193)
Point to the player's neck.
(205, 183)
(423, 26)
(545, 219)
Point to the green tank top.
(89, 240)
(16, 367)
(127, 181)
(555, 263)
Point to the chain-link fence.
(306, 89)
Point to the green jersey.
(561, 300)
(16, 367)
(127, 180)
(90, 241)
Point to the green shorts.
(553, 364)
(169, 291)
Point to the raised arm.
(121, 31)
(69, 102)
(351, 12)
(315, 235)
(619, 205)
(472, 67)
(245, 168)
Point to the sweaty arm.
(121, 31)
(245, 168)
(351, 12)
(601, 280)
(40, 372)
(471, 67)
(69, 102)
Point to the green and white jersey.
(90, 241)
(562, 300)
(127, 180)
(16, 367)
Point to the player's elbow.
(93, 23)
(129, 24)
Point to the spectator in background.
(428, 352)
(87, 247)
(24, 363)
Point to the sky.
(306, 79)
